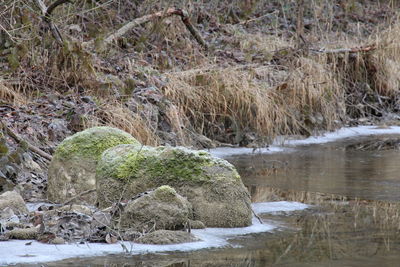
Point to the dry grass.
(385, 62)
(11, 96)
(119, 116)
(261, 99)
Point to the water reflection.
(335, 168)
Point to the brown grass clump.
(385, 65)
(261, 99)
(10, 96)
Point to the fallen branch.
(46, 16)
(20, 140)
(158, 15)
(78, 196)
(359, 49)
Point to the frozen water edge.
(16, 251)
(277, 146)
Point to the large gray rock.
(72, 170)
(162, 208)
(211, 185)
(14, 201)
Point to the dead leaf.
(111, 239)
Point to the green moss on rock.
(73, 167)
(92, 142)
(164, 164)
(212, 185)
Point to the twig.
(256, 215)
(299, 22)
(195, 33)
(20, 140)
(54, 5)
(46, 16)
(78, 196)
(359, 49)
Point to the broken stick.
(19, 140)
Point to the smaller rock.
(57, 241)
(76, 209)
(13, 200)
(196, 224)
(162, 208)
(164, 237)
(22, 234)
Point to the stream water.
(336, 233)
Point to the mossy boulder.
(73, 167)
(212, 185)
(162, 208)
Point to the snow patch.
(230, 151)
(284, 145)
(279, 206)
(17, 251)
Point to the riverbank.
(30, 251)
(331, 223)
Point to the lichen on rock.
(212, 185)
(73, 167)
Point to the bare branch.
(359, 49)
(54, 5)
(195, 33)
(46, 16)
(158, 15)
(19, 140)
(41, 6)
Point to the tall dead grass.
(386, 61)
(11, 96)
(263, 99)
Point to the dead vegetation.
(265, 72)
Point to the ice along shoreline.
(27, 251)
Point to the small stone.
(22, 234)
(13, 200)
(164, 237)
(57, 241)
(197, 224)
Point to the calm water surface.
(341, 235)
